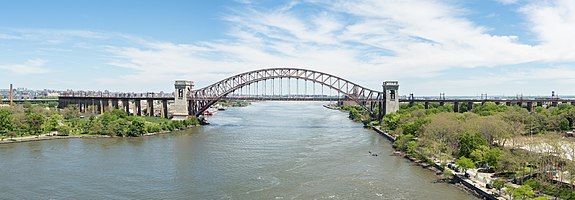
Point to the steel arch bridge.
(201, 99)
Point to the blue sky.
(499, 47)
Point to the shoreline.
(456, 180)
(57, 137)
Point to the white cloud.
(553, 22)
(369, 40)
(365, 41)
(34, 66)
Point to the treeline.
(484, 137)
(30, 120)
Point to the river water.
(270, 150)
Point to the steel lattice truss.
(203, 98)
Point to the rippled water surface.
(270, 150)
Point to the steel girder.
(209, 95)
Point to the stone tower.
(181, 106)
(391, 96)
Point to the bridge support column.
(520, 104)
(540, 103)
(99, 106)
(126, 105)
(529, 106)
(138, 107)
(181, 103)
(426, 105)
(573, 103)
(508, 103)
(165, 109)
(497, 103)
(85, 104)
(105, 105)
(441, 103)
(554, 103)
(469, 106)
(456, 107)
(151, 107)
(115, 104)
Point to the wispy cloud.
(364, 40)
(34, 66)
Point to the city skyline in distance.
(503, 47)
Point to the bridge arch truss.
(202, 99)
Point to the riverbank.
(47, 137)
(54, 136)
(458, 179)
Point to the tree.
(391, 120)
(137, 127)
(468, 142)
(35, 122)
(564, 124)
(5, 121)
(479, 155)
(64, 130)
(498, 184)
(492, 157)
(465, 163)
(523, 192)
(71, 112)
(52, 123)
(52, 104)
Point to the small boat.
(210, 112)
(221, 108)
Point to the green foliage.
(64, 130)
(391, 120)
(469, 142)
(465, 163)
(564, 124)
(152, 128)
(137, 127)
(53, 123)
(498, 184)
(488, 108)
(523, 192)
(484, 155)
(5, 121)
(155, 119)
(70, 112)
(35, 122)
(562, 191)
(402, 140)
(52, 104)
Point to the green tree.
(523, 192)
(465, 163)
(52, 123)
(468, 142)
(498, 184)
(65, 130)
(95, 127)
(35, 122)
(52, 104)
(70, 112)
(5, 121)
(137, 127)
(564, 124)
(391, 120)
